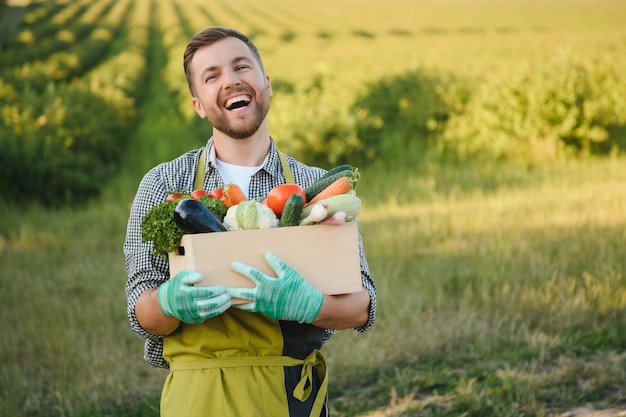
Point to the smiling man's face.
(231, 90)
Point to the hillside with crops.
(490, 137)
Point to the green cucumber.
(292, 211)
(319, 185)
(335, 170)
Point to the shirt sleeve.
(146, 270)
(370, 287)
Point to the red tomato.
(278, 196)
(217, 193)
(171, 197)
(196, 194)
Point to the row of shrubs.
(173, 38)
(52, 26)
(563, 108)
(58, 145)
(62, 133)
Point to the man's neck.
(251, 151)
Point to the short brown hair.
(209, 36)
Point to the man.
(254, 359)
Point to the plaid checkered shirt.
(146, 270)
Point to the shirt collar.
(271, 165)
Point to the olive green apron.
(234, 365)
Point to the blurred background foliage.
(74, 73)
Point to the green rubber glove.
(288, 297)
(179, 298)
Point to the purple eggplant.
(194, 217)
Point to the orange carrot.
(341, 185)
(232, 195)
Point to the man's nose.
(231, 79)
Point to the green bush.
(49, 27)
(61, 139)
(563, 107)
(328, 127)
(59, 146)
(406, 112)
(315, 125)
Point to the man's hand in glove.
(179, 298)
(288, 297)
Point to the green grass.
(506, 299)
(501, 288)
(502, 299)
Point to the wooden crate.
(327, 256)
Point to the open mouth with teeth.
(237, 102)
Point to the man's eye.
(209, 78)
(242, 67)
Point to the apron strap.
(198, 181)
(286, 170)
(303, 389)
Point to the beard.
(241, 129)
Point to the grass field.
(501, 287)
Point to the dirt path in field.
(403, 406)
(591, 412)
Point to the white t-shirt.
(237, 174)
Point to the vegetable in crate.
(330, 177)
(194, 217)
(278, 196)
(341, 185)
(212, 201)
(196, 194)
(248, 215)
(350, 204)
(159, 227)
(216, 206)
(232, 195)
(292, 211)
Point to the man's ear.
(197, 105)
(268, 85)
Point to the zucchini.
(319, 185)
(292, 211)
